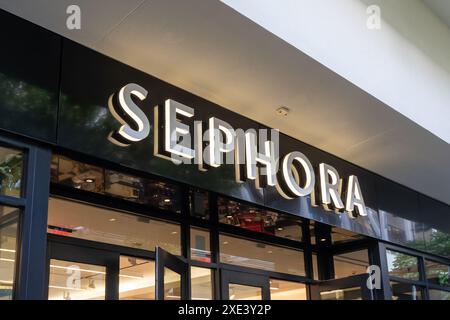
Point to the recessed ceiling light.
(166, 200)
(282, 111)
(225, 242)
(112, 219)
(174, 232)
(270, 251)
(89, 180)
(323, 239)
(280, 229)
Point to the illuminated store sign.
(209, 145)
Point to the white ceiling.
(441, 8)
(211, 50)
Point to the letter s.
(135, 125)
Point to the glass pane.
(404, 291)
(439, 294)
(8, 248)
(402, 265)
(201, 284)
(437, 273)
(136, 279)
(199, 204)
(172, 285)
(92, 178)
(287, 290)
(350, 263)
(76, 281)
(315, 267)
(200, 247)
(79, 175)
(241, 292)
(259, 220)
(342, 294)
(155, 193)
(73, 219)
(339, 236)
(259, 255)
(11, 168)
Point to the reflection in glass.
(437, 273)
(91, 178)
(8, 250)
(136, 279)
(350, 263)
(339, 236)
(200, 247)
(242, 292)
(73, 219)
(400, 230)
(438, 294)
(199, 203)
(201, 284)
(11, 168)
(437, 242)
(259, 220)
(76, 281)
(260, 256)
(172, 285)
(402, 265)
(287, 290)
(342, 294)
(315, 267)
(405, 291)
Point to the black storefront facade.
(84, 218)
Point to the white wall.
(405, 64)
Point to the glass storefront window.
(243, 292)
(76, 281)
(315, 266)
(73, 219)
(435, 294)
(287, 290)
(437, 273)
(350, 263)
(136, 279)
(259, 220)
(78, 175)
(11, 170)
(405, 291)
(260, 256)
(200, 245)
(401, 265)
(172, 285)
(339, 236)
(342, 294)
(199, 203)
(8, 250)
(201, 284)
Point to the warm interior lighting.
(92, 271)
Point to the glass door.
(349, 288)
(171, 276)
(81, 273)
(244, 286)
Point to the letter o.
(291, 185)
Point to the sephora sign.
(178, 137)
